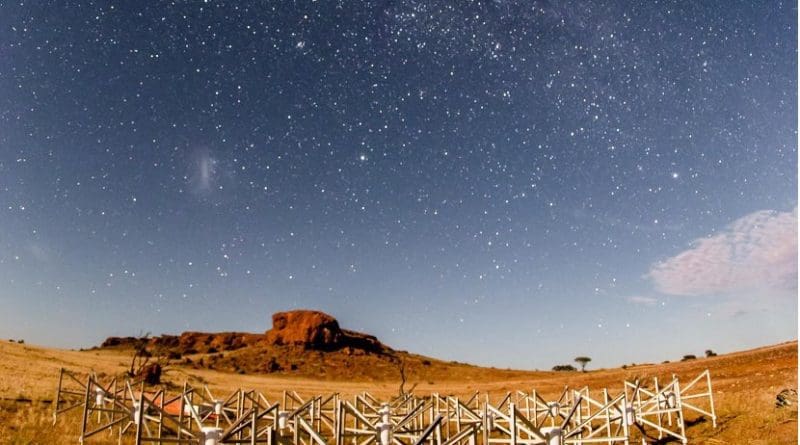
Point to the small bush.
(273, 365)
(688, 357)
(426, 362)
(564, 368)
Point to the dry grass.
(745, 386)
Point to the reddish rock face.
(189, 342)
(310, 329)
(302, 341)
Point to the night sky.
(502, 183)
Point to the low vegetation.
(564, 368)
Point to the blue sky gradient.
(505, 183)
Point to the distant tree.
(401, 368)
(688, 357)
(564, 368)
(710, 353)
(582, 361)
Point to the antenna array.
(136, 414)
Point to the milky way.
(498, 182)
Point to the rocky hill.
(302, 342)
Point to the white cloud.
(756, 253)
(646, 301)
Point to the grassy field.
(745, 387)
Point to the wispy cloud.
(757, 252)
(645, 301)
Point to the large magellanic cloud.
(203, 172)
(756, 253)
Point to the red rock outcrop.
(302, 342)
(189, 342)
(318, 331)
(310, 329)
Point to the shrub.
(273, 365)
(564, 368)
(688, 357)
(152, 374)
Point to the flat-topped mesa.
(317, 330)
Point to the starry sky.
(507, 183)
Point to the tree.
(146, 364)
(582, 361)
(710, 353)
(401, 367)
